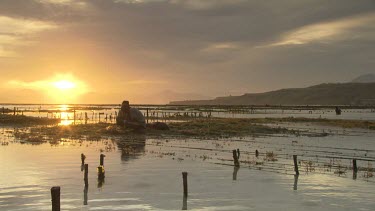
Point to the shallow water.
(145, 174)
(97, 113)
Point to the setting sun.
(63, 84)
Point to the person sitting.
(130, 117)
(338, 110)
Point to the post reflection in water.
(235, 170)
(85, 191)
(184, 203)
(295, 181)
(100, 182)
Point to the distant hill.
(323, 94)
(367, 78)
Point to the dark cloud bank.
(218, 47)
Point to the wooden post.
(86, 175)
(14, 111)
(355, 168)
(102, 159)
(147, 115)
(235, 170)
(100, 115)
(235, 159)
(85, 191)
(295, 164)
(74, 118)
(184, 177)
(83, 157)
(295, 186)
(101, 174)
(55, 196)
(184, 203)
(256, 153)
(86, 117)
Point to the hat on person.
(125, 102)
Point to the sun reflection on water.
(65, 116)
(65, 122)
(63, 107)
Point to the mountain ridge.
(322, 94)
(366, 78)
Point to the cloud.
(30, 85)
(221, 46)
(139, 1)
(21, 26)
(327, 31)
(76, 4)
(145, 82)
(189, 46)
(56, 1)
(15, 32)
(205, 5)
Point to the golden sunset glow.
(63, 84)
(66, 122)
(65, 88)
(63, 108)
(66, 117)
(62, 88)
(98, 52)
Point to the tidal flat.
(143, 171)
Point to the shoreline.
(44, 129)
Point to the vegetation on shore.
(26, 120)
(49, 129)
(194, 128)
(224, 127)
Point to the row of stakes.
(236, 156)
(55, 191)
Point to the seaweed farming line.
(89, 117)
(280, 154)
(334, 164)
(281, 169)
(179, 107)
(287, 155)
(341, 155)
(270, 161)
(316, 158)
(295, 144)
(343, 131)
(71, 112)
(339, 172)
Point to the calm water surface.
(145, 174)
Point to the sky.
(155, 51)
